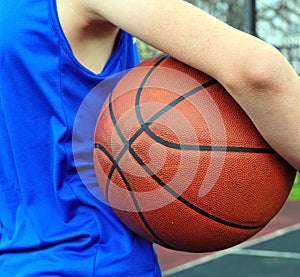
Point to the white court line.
(232, 250)
(268, 254)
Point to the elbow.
(265, 67)
(260, 71)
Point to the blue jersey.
(51, 224)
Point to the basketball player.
(52, 54)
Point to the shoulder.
(86, 10)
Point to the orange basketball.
(181, 164)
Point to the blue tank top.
(51, 222)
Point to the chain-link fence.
(278, 22)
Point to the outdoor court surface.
(274, 252)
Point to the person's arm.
(253, 72)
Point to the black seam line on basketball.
(115, 123)
(115, 162)
(144, 125)
(184, 201)
(114, 120)
(135, 202)
(145, 79)
(111, 112)
(208, 148)
(171, 104)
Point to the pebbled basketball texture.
(180, 162)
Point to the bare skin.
(92, 41)
(254, 73)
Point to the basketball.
(180, 162)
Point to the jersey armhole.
(63, 41)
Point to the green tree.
(145, 50)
